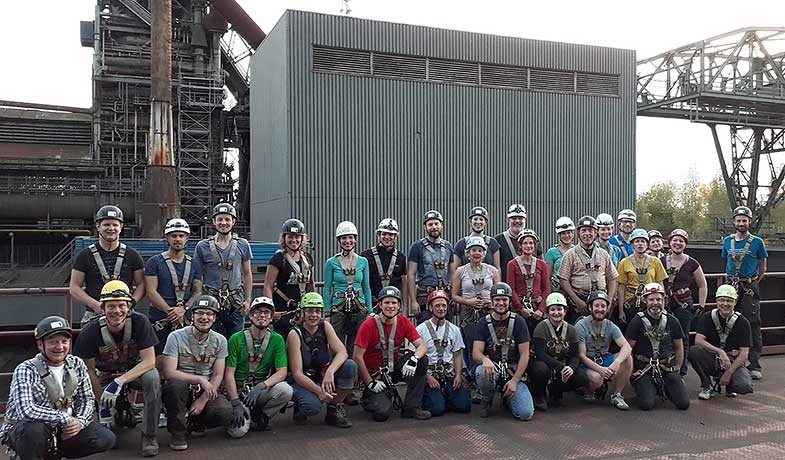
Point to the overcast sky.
(44, 62)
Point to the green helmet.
(555, 298)
(311, 300)
(726, 290)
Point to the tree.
(656, 208)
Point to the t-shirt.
(556, 352)
(335, 282)
(749, 265)
(156, 266)
(541, 284)
(90, 342)
(85, 263)
(368, 339)
(636, 331)
(182, 344)
(573, 269)
(520, 334)
(613, 250)
(274, 357)
(385, 256)
(460, 250)
(286, 280)
(682, 276)
(740, 336)
(597, 339)
(426, 270)
(628, 276)
(553, 258)
(507, 250)
(471, 291)
(624, 246)
(454, 341)
(212, 275)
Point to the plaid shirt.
(28, 399)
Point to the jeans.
(380, 405)
(540, 374)
(308, 403)
(705, 364)
(749, 306)
(227, 323)
(521, 404)
(446, 399)
(30, 441)
(150, 385)
(177, 400)
(675, 391)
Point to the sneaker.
(731, 394)
(178, 442)
(261, 423)
(415, 413)
(149, 446)
(618, 402)
(198, 431)
(336, 416)
(705, 394)
(756, 374)
(540, 404)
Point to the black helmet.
(206, 302)
(479, 211)
(594, 295)
(742, 211)
(109, 212)
(654, 233)
(501, 289)
(52, 325)
(293, 226)
(224, 208)
(390, 291)
(586, 221)
(432, 214)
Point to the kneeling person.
(317, 378)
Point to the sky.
(46, 64)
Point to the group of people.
(488, 316)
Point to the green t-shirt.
(274, 357)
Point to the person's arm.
(678, 345)
(93, 375)
(270, 275)
(762, 265)
(741, 360)
(456, 290)
(541, 351)
(145, 364)
(512, 280)
(197, 288)
(247, 284)
(620, 291)
(573, 360)
(703, 289)
(497, 261)
(230, 384)
(78, 293)
(139, 290)
(454, 263)
(411, 279)
(366, 285)
(328, 286)
(362, 369)
(170, 372)
(545, 284)
(523, 361)
(421, 350)
(497, 277)
(156, 301)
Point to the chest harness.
(119, 352)
(253, 358)
(201, 356)
(528, 273)
(640, 271)
(301, 276)
(512, 247)
(384, 275)
(180, 287)
(387, 345)
(351, 302)
(737, 257)
(655, 364)
(314, 350)
(598, 342)
(225, 295)
(673, 270)
(439, 263)
(504, 368)
(622, 245)
(592, 265)
(441, 370)
(99, 262)
(724, 332)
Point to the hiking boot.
(198, 430)
(336, 416)
(299, 418)
(261, 423)
(540, 404)
(149, 446)
(756, 374)
(705, 394)
(178, 442)
(415, 413)
(485, 408)
(618, 402)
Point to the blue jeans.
(308, 404)
(227, 323)
(446, 399)
(521, 404)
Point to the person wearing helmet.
(193, 366)
(106, 260)
(445, 389)
(224, 260)
(746, 258)
(50, 405)
(382, 361)
(478, 222)
(604, 234)
(256, 368)
(501, 346)
(508, 239)
(428, 265)
(289, 275)
(169, 277)
(656, 244)
(347, 285)
(321, 371)
(722, 346)
(635, 272)
(118, 350)
(555, 344)
(585, 268)
(529, 279)
(565, 229)
(657, 343)
(387, 264)
(626, 220)
(682, 271)
(595, 334)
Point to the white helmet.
(627, 214)
(177, 225)
(516, 210)
(605, 220)
(345, 228)
(387, 225)
(238, 431)
(564, 224)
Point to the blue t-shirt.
(156, 266)
(749, 265)
(624, 246)
(614, 251)
(426, 270)
(211, 274)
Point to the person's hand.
(328, 383)
(724, 360)
(324, 396)
(432, 383)
(476, 303)
(376, 386)
(246, 306)
(457, 381)
(110, 394)
(253, 395)
(414, 309)
(197, 407)
(580, 305)
(208, 388)
(607, 373)
(622, 316)
(488, 368)
(410, 367)
(73, 428)
(614, 367)
(566, 373)
(725, 378)
(510, 388)
(239, 413)
(537, 314)
(277, 315)
(175, 315)
(526, 312)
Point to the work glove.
(253, 395)
(106, 418)
(110, 394)
(410, 367)
(239, 413)
(376, 386)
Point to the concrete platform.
(747, 427)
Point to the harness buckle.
(439, 265)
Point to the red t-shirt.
(368, 339)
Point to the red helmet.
(679, 232)
(438, 294)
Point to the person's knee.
(281, 391)
(461, 401)
(151, 381)
(646, 403)
(682, 403)
(31, 431)
(104, 440)
(595, 379)
(346, 377)
(309, 406)
(434, 404)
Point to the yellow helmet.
(726, 290)
(116, 290)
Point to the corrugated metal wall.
(366, 148)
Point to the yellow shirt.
(628, 276)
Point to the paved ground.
(748, 427)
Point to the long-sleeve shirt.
(335, 282)
(541, 285)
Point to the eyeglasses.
(261, 312)
(204, 313)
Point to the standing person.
(347, 285)
(118, 349)
(289, 275)
(169, 277)
(626, 220)
(428, 265)
(445, 389)
(722, 348)
(92, 265)
(604, 233)
(195, 357)
(746, 265)
(656, 244)
(321, 370)
(585, 268)
(529, 280)
(478, 221)
(508, 239)
(382, 361)
(635, 272)
(501, 346)
(658, 351)
(386, 263)
(565, 229)
(50, 405)
(224, 261)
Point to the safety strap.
(671, 268)
(179, 285)
(385, 275)
(739, 258)
(528, 277)
(440, 344)
(622, 245)
(302, 275)
(558, 342)
(387, 344)
(510, 245)
(654, 334)
(200, 358)
(598, 338)
(118, 263)
(307, 340)
(119, 353)
(507, 340)
(255, 358)
(224, 266)
(641, 271)
(440, 265)
(479, 282)
(723, 332)
(63, 398)
(349, 267)
(591, 265)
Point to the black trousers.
(749, 307)
(176, 400)
(30, 440)
(380, 405)
(539, 374)
(675, 391)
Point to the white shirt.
(454, 341)
(59, 374)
